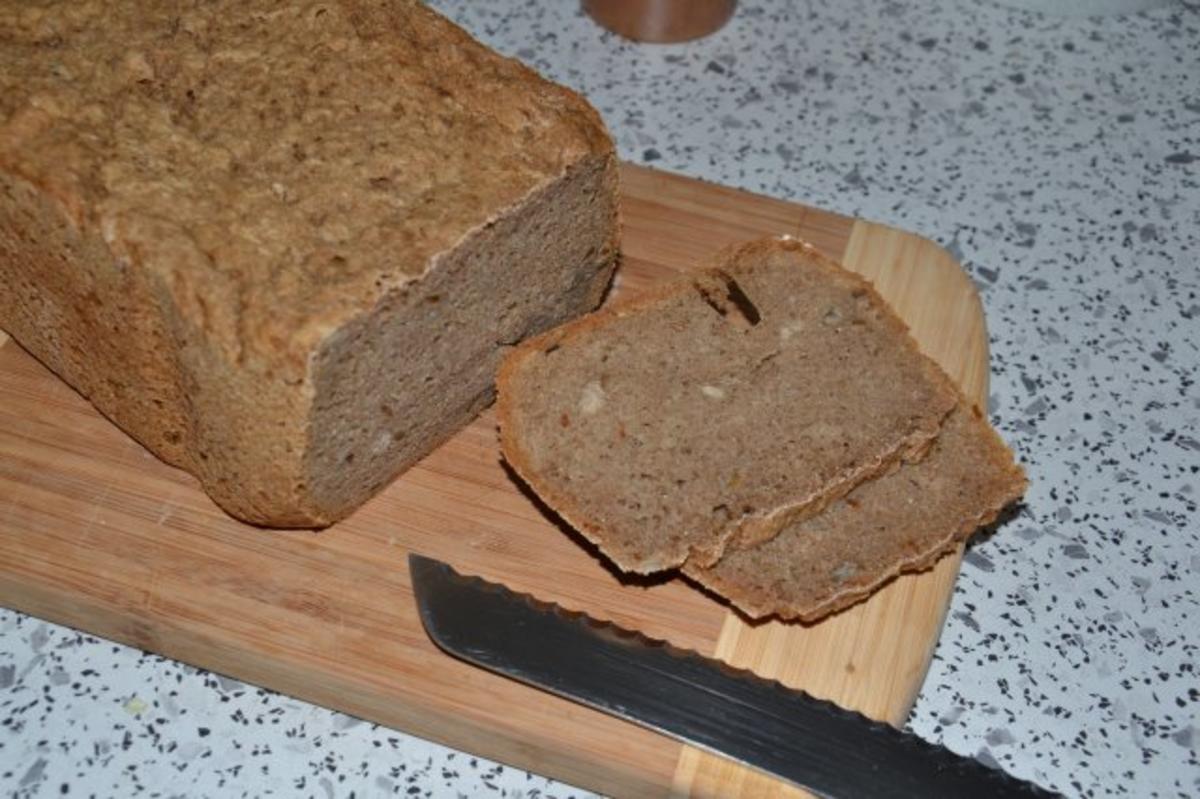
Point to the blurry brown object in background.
(661, 20)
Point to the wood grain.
(97, 534)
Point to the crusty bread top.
(900, 522)
(281, 164)
(718, 408)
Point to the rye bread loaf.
(285, 246)
(711, 413)
(899, 522)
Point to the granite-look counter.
(1059, 159)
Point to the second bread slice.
(901, 522)
(717, 410)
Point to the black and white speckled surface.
(1059, 159)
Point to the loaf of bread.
(285, 245)
(897, 523)
(707, 416)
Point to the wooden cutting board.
(97, 534)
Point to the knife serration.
(733, 712)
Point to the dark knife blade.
(810, 742)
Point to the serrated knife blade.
(761, 723)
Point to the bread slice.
(900, 522)
(285, 245)
(713, 412)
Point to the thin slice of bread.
(719, 408)
(900, 522)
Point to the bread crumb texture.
(748, 396)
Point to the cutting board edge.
(420, 719)
(976, 389)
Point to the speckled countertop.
(1059, 159)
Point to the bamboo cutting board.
(97, 534)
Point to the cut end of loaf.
(397, 382)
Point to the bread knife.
(812, 743)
